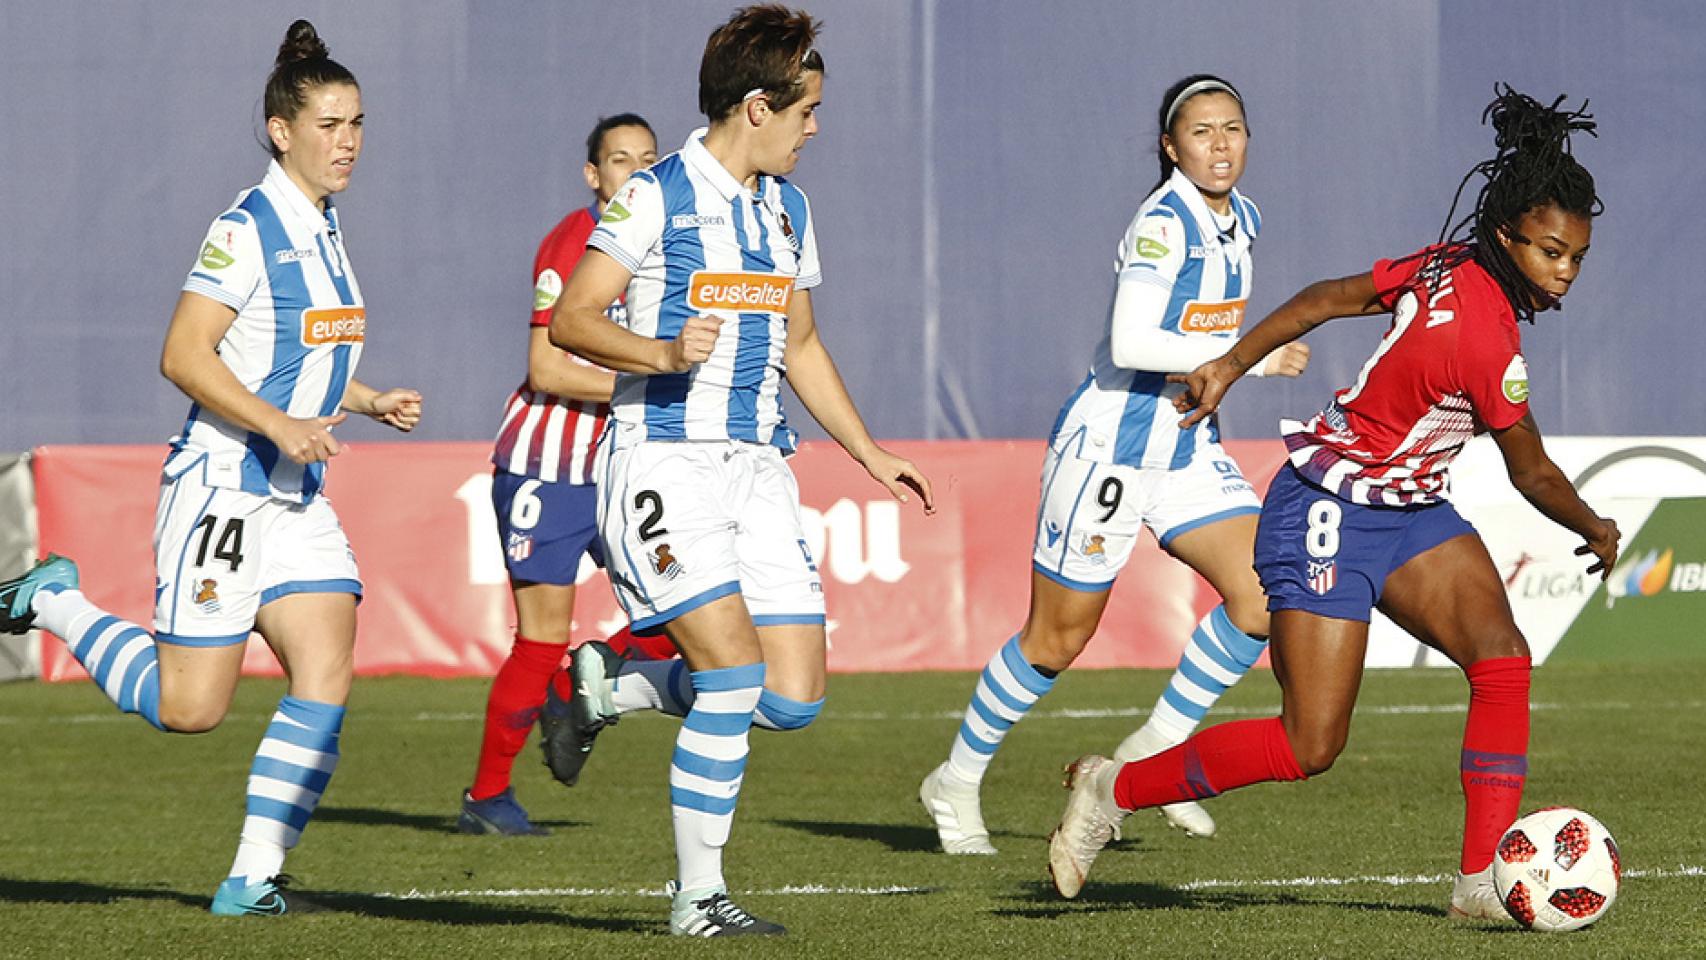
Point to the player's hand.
(399, 407)
(698, 337)
(1288, 360)
(899, 475)
(1204, 388)
(1603, 547)
(307, 440)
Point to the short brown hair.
(764, 47)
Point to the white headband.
(1201, 86)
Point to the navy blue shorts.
(1328, 556)
(545, 528)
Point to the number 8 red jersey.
(1449, 368)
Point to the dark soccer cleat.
(710, 913)
(568, 729)
(16, 613)
(500, 814)
(265, 899)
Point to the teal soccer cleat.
(234, 898)
(17, 614)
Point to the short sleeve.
(632, 223)
(558, 253)
(1153, 248)
(1496, 382)
(230, 263)
(1393, 277)
(798, 208)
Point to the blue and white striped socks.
(1218, 656)
(666, 686)
(118, 655)
(291, 769)
(1006, 691)
(706, 771)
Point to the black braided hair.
(1533, 167)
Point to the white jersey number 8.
(1323, 536)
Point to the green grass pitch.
(114, 836)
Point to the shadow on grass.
(73, 891)
(1040, 901)
(902, 839)
(452, 912)
(428, 823)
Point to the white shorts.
(1091, 513)
(220, 554)
(685, 523)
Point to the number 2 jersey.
(1449, 367)
(699, 243)
(278, 260)
(544, 436)
(1125, 416)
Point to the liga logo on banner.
(323, 325)
(1216, 317)
(740, 292)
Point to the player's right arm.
(552, 371)
(190, 359)
(1544, 486)
(1312, 306)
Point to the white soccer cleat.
(1089, 823)
(1474, 897)
(1186, 815)
(957, 812)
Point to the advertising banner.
(19, 656)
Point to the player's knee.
(1316, 750)
(776, 712)
(1054, 646)
(1249, 615)
(190, 718)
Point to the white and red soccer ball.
(1557, 869)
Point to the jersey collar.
(715, 173)
(293, 199)
(1194, 202)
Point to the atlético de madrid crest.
(1322, 575)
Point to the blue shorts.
(1328, 556)
(545, 528)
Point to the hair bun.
(1521, 124)
(301, 42)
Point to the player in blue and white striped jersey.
(1118, 461)
(264, 341)
(700, 516)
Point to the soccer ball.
(1557, 869)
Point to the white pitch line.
(791, 890)
(817, 889)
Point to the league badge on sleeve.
(1516, 380)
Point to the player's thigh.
(197, 684)
(1318, 662)
(795, 660)
(547, 529)
(778, 575)
(716, 635)
(1450, 597)
(543, 611)
(667, 530)
(1060, 622)
(1089, 519)
(308, 600)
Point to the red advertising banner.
(905, 591)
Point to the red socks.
(634, 647)
(1495, 755)
(518, 691)
(1219, 758)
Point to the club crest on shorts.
(1322, 575)
(207, 596)
(665, 563)
(520, 546)
(1094, 549)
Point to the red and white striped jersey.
(545, 436)
(1449, 368)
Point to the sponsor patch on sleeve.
(216, 249)
(1154, 238)
(547, 289)
(1516, 380)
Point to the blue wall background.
(977, 163)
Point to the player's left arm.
(1542, 484)
(812, 374)
(399, 407)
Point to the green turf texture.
(114, 836)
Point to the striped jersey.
(698, 243)
(544, 436)
(1449, 367)
(1175, 242)
(278, 260)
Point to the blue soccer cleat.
(16, 613)
(499, 814)
(234, 898)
